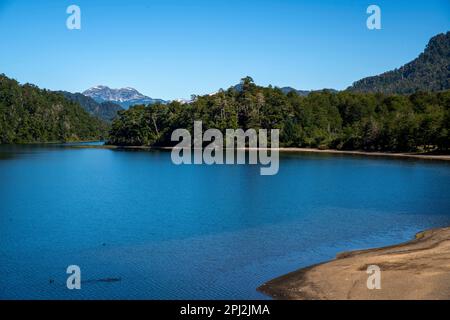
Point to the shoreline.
(405, 155)
(368, 153)
(417, 269)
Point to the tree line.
(31, 115)
(325, 119)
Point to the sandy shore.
(422, 156)
(418, 269)
(372, 154)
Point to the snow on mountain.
(125, 97)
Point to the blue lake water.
(197, 232)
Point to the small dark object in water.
(103, 280)
(51, 281)
(110, 280)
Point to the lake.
(197, 232)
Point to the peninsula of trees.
(344, 120)
(404, 110)
(407, 109)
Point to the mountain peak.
(105, 93)
(125, 97)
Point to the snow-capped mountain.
(125, 97)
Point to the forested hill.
(105, 111)
(326, 119)
(29, 115)
(429, 72)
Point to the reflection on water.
(196, 232)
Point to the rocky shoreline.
(418, 269)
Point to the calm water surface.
(197, 232)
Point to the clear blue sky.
(173, 48)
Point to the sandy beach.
(418, 269)
(422, 156)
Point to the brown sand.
(411, 155)
(418, 269)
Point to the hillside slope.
(105, 111)
(429, 72)
(31, 115)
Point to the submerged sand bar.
(418, 269)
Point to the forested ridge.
(402, 110)
(430, 71)
(31, 115)
(325, 119)
(406, 109)
(105, 111)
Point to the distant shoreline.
(372, 154)
(422, 156)
(418, 269)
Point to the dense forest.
(429, 72)
(325, 119)
(30, 115)
(402, 110)
(105, 111)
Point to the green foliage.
(30, 115)
(344, 120)
(429, 72)
(105, 111)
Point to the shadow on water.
(16, 151)
(197, 232)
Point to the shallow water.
(197, 232)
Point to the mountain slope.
(429, 72)
(30, 115)
(124, 97)
(105, 111)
